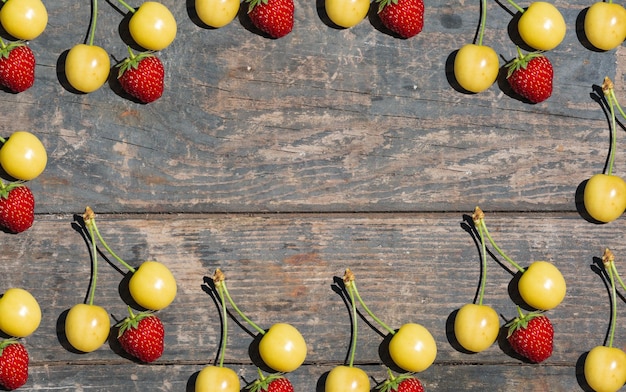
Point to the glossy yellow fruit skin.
(605, 25)
(347, 13)
(20, 314)
(542, 26)
(542, 286)
(87, 327)
(153, 26)
(217, 379)
(24, 19)
(87, 67)
(413, 348)
(217, 13)
(283, 348)
(153, 286)
(23, 156)
(347, 379)
(604, 197)
(605, 369)
(476, 327)
(476, 67)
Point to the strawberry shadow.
(115, 346)
(505, 86)
(505, 346)
(116, 86)
(377, 23)
(246, 22)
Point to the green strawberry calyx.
(262, 384)
(521, 61)
(6, 343)
(132, 321)
(132, 61)
(5, 189)
(393, 382)
(383, 3)
(5, 48)
(521, 321)
(254, 3)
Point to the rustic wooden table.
(284, 162)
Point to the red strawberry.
(531, 336)
(17, 66)
(17, 207)
(142, 76)
(403, 17)
(142, 336)
(271, 383)
(13, 364)
(274, 17)
(531, 76)
(402, 383)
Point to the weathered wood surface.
(323, 119)
(409, 268)
(286, 161)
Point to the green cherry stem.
(94, 18)
(609, 93)
(483, 19)
(480, 223)
(352, 286)
(348, 280)
(128, 7)
(218, 279)
(517, 7)
(91, 225)
(223, 291)
(89, 215)
(478, 215)
(608, 260)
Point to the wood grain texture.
(410, 268)
(286, 161)
(322, 120)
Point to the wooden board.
(409, 267)
(286, 161)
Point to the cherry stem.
(224, 291)
(354, 325)
(131, 9)
(94, 268)
(609, 93)
(94, 18)
(91, 224)
(372, 315)
(517, 7)
(497, 248)
(481, 292)
(608, 261)
(2, 140)
(220, 290)
(483, 18)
